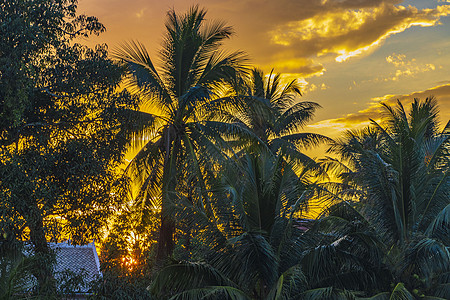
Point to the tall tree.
(60, 128)
(250, 248)
(399, 173)
(183, 140)
(272, 111)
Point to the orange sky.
(348, 54)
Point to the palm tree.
(192, 68)
(251, 248)
(271, 110)
(398, 173)
(16, 270)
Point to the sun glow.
(344, 55)
(129, 262)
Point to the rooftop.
(76, 260)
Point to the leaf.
(401, 293)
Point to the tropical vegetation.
(215, 204)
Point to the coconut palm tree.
(251, 248)
(272, 111)
(398, 173)
(183, 140)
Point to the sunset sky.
(348, 54)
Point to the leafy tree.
(130, 244)
(61, 128)
(113, 286)
(183, 140)
(15, 270)
(30, 31)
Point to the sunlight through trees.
(215, 203)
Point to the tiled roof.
(77, 260)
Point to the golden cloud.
(305, 86)
(351, 32)
(396, 59)
(286, 34)
(374, 111)
(289, 63)
(405, 67)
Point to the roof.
(77, 260)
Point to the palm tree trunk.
(166, 236)
(166, 231)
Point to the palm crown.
(269, 109)
(192, 67)
(398, 172)
(250, 248)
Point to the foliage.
(252, 247)
(15, 271)
(220, 168)
(398, 172)
(31, 33)
(114, 286)
(179, 93)
(272, 111)
(60, 139)
(70, 283)
(130, 244)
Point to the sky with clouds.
(349, 55)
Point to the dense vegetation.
(211, 206)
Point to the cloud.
(262, 18)
(375, 110)
(141, 13)
(396, 59)
(303, 67)
(405, 67)
(441, 93)
(305, 86)
(345, 33)
(295, 36)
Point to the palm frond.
(401, 293)
(144, 78)
(426, 258)
(440, 226)
(379, 296)
(292, 282)
(141, 127)
(221, 68)
(251, 261)
(186, 276)
(306, 140)
(212, 292)
(296, 117)
(442, 291)
(327, 293)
